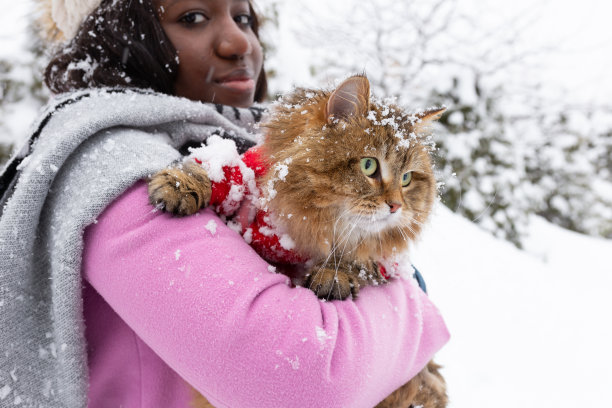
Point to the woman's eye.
(244, 20)
(193, 18)
(406, 179)
(369, 165)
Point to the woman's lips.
(238, 84)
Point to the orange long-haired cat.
(356, 188)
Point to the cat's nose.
(393, 207)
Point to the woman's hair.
(123, 44)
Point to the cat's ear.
(351, 98)
(426, 118)
(431, 114)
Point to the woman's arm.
(202, 299)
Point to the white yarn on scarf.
(69, 14)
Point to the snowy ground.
(529, 328)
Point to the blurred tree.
(21, 92)
(268, 11)
(483, 176)
(572, 168)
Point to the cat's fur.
(343, 220)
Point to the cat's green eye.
(406, 179)
(369, 165)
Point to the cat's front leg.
(180, 190)
(332, 282)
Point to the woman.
(107, 302)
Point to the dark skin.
(220, 58)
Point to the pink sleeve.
(202, 299)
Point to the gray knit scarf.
(87, 149)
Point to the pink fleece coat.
(171, 299)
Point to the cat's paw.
(330, 284)
(180, 190)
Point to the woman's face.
(220, 57)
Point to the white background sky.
(583, 34)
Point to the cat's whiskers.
(416, 222)
(408, 224)
(412, 231)
(345, 212)
(347, 239)
(416, 217)
(486, 209)
(402, 233)
(460, 199)
(344, 239)
(376, 234)
(333, 250)
(337, 266)
(362, 237)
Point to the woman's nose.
(233, 41)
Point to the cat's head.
(351, 162)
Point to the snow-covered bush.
(479, 163)
(500, 165)
(572, 168)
